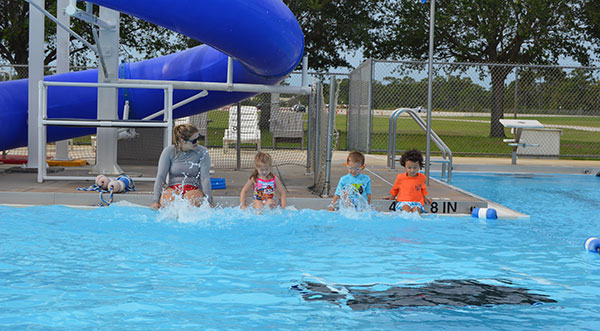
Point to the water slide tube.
(262, 36)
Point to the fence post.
(238, 147)
(516, 92)
(330, 122)
(309, 148)
(317, 151)
(370, 103)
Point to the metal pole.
(36, 74)
(370, 99)
(41, 166)
(62, 65)
(429, 87)
(238, 147)
(230, 71)
(309, 148)
(330, 133)
(304, 70)
(516, 91)
(318, 141)
(168, 117)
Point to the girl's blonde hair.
(183, 131)
(262, 159)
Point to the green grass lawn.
(462, 137)
(473, 137)
(571, 121)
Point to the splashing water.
(185, 212)
(351, 200)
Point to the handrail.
(393, 124)
(44, 121)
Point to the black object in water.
(448, 292)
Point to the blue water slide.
(262, 36)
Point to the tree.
(591, 17)
(333, 28)
(139, 39)
(14, 15)
(490, 31)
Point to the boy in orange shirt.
(409, 190)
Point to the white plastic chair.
(250, 132)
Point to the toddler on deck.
(355, 186)
(409, 189)
(264, 183)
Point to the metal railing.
(44, 121)
(446, 160)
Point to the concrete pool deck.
(19, 188)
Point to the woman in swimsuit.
(188, 167)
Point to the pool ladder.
(446, 159)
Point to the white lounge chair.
(249, 133)
(287, 126)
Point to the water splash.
(351, 203)
(183, 211)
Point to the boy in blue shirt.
(355, 186)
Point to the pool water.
(133, 268)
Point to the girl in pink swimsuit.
(264, 184)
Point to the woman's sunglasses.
(193, 141)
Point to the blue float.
(592, 244)
(487, 213)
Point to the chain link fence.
(468, 100)
(320, 127)
(272, 122)
(280, 126)
(292, 128)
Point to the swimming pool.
(132, 268)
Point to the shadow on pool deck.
(22, 188)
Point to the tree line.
(491, 31)
(546, 91)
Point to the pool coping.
(22, 188)
(502, 211)
(85, 200)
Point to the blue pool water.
(133, 268)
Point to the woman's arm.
(205, 177)
(164, 164)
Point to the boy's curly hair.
(412, 155)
